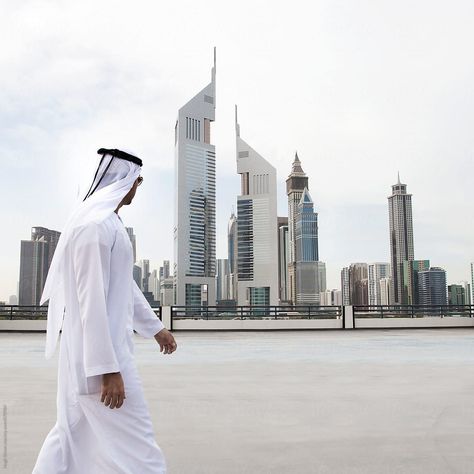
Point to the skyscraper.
(457, 295)
(283, 248)
(295, 184)
(410, 278)
(432, 287)
(35, 258)
(222, 279)
(310, 273)
(232, 257)
(256, 224)
(195, 200)
(133, 240)
(472, 283)
(345, 288)
(376, 271)
(401, 238)
(358, 284)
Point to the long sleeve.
(91, 252)
(145, 321)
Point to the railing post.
(349, 317)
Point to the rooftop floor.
(363, 401)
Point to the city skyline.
(365, 102)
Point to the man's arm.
(147, 324)
(91, 260)
(145, 321)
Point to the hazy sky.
(362, 89)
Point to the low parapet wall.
(255, 324)
(427, 322)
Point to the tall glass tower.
(256, 226)
(295, 184)
(401, 238)
(195, 200)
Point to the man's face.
(131, 194)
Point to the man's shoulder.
(99, 230)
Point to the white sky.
(361, 89)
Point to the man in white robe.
(103, 422)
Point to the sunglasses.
(140, 180)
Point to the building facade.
(35, 259)
(195, 200)
(283, 255)
(345, 288)
(222, 279)
(376, 272)
(295, 185)
(232, 257)
(432, 287)
(257, 272)
(358, 284)
(401, 238)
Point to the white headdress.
(115, 176)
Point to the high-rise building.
(195, 200)
(411, 268)
(358, 284)
(295, 185)
(154, 285)
(232, 257)
(376, 271)
(401, 238)
(472, 282)
(467, 292)
(222, 279)
(145, 275)
(330, 298)
(345, 288)
(432, 287)
(256, 224)
(137, 276)
(166, 268)
(283, 248)
(385, 284)
(35, 258)
(133, 240)
(166, 291)
(456, 295)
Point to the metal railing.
(15, 312)
(23, 312)
(256, 312)
(158, 311)
(414, 311)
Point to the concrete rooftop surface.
(360, 401)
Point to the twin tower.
(263, 268)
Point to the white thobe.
(103, 307)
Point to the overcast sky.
(362, 89)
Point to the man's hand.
(166, 341)
(113, 391)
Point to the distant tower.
(295, 184)
(133, 240)
(377, 271)
(283, 258)
(195, 200)
(432, 287)
(401, 238)
(345, 289)
(358, 284)
(232, 257)
(256, 225)
(310, 273)
(35, 258)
